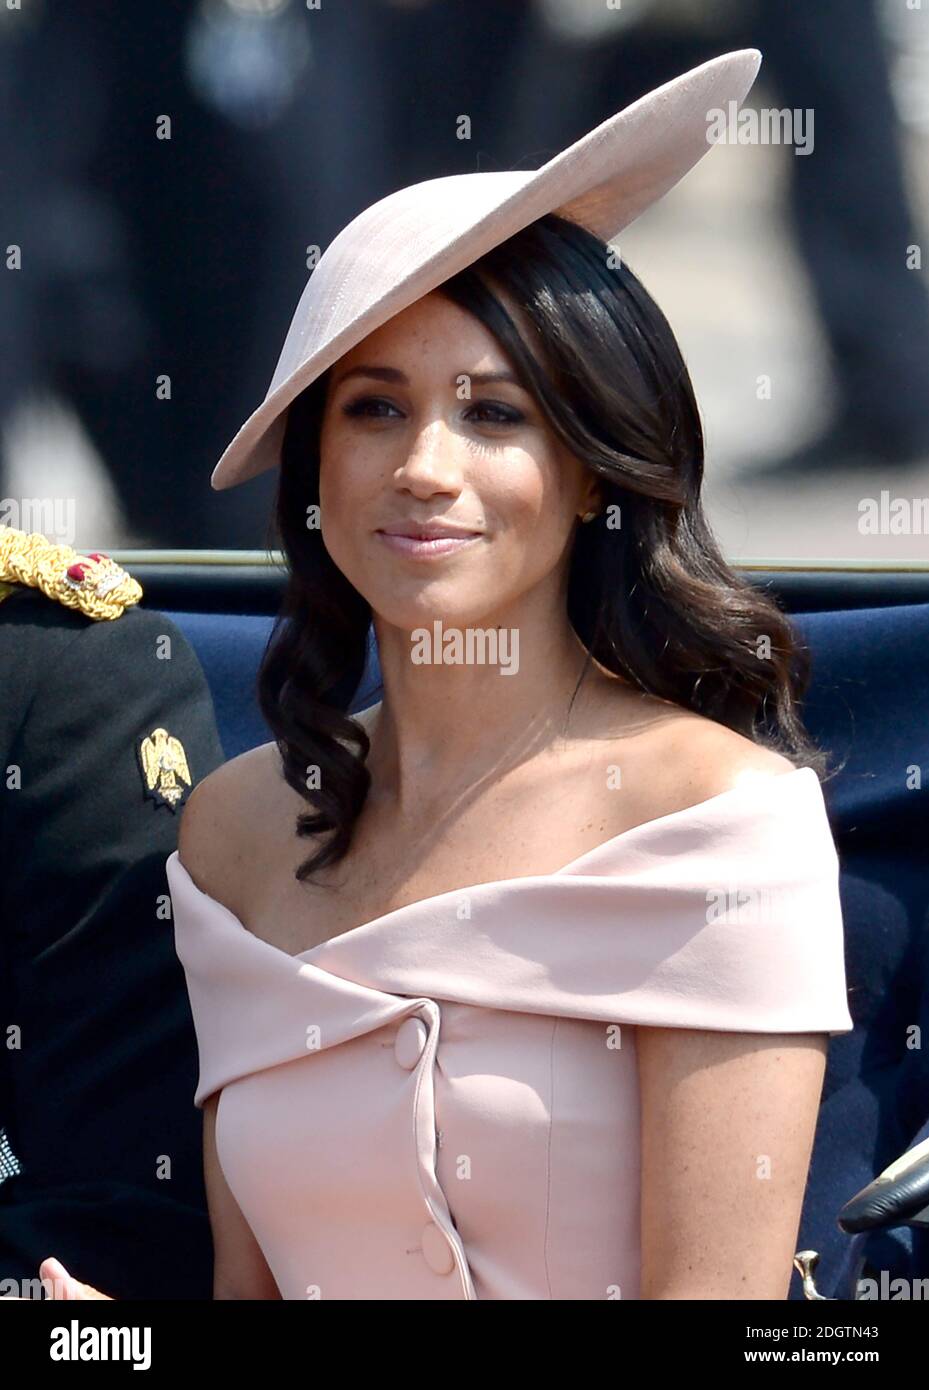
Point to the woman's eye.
(496, 414)
(363, 407)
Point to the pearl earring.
(589, 516)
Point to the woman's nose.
(434, 456)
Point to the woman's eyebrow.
(395, 375)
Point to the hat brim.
(410, 242)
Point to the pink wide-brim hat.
(407, 244)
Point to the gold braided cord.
(99, 587)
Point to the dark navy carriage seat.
(868, 630)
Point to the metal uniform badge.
(164, 768)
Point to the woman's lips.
(417, 549)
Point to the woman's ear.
(591, 502)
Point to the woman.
(519, 983)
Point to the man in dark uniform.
(106, 724)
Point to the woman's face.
(415, 434)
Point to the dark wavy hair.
(653, 600)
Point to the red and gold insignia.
(164, 768)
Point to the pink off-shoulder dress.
(443, 1103)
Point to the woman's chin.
(432, 608)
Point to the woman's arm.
(240, 1270)
(209, 840)
(728, 1121)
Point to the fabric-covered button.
(410, 1042)
(436, 1250)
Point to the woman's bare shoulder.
(236, 820)
(225, 817)
(677, 757)
(702, 758)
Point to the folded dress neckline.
(671, 819)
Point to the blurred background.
(167, 165)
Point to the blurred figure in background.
(849, 203)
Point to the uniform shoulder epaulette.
(94, 583)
